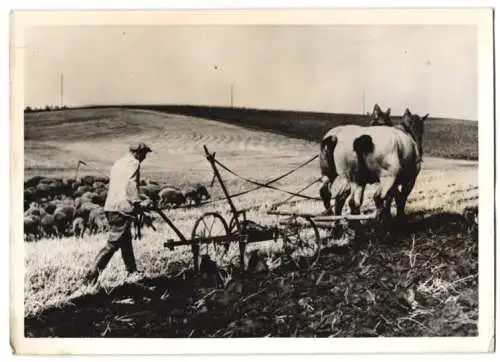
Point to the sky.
(340, 69)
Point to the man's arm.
(134, 192)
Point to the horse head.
(379, 117)
(414, 125)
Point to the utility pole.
(363, 103)
(232, 94)
(62, 90)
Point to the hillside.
(447, 138)
(55, 141)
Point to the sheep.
(30, 194)
(32, 226)
(195, 194)
(68, 183)
(64, 214)
(103, 179)
(81, 190)
(78, 227)
(62, 202)
(42, 190)
(50, 207)
(98, 184)
(90, 197)
(78, 202)
(84, 211)
(191, 196)
(202, 192)
(35, 210)
(169, 196)
(152, 192)
(99, 199)
(32, 181)
(55, 187)
(49, 227)
(97, 221)
(87, 180)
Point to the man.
(121, 207)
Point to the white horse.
(389, 156)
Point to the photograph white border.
(482, 18)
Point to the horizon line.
(148, 106)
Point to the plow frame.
(239, 229)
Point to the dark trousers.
(120, 237)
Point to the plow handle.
(170, 223)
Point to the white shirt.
(123, 185)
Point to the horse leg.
(402, 197)
(383, 196)
(383, 199)
(399, 198)
(328, 170)
(326, 195)
(355, 202)
(357, 198)
(341, 197)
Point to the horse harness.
(404, 127)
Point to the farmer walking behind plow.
(122, 206)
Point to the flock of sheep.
(56, 207)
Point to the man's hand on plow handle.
(144, 205)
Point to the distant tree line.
(47, 108)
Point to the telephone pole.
(232, 94)
(363, 103)
(62, 90)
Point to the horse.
(361, 155)
(378, 117)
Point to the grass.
(436, 261)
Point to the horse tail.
(363, 145)
(327, 163)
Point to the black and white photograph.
(228, 174)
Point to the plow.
(298, 233)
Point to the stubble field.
(422, 283)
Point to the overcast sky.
(430, 69)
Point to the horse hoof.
(382, 218)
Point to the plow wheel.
(301, 241)
(208, 226)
